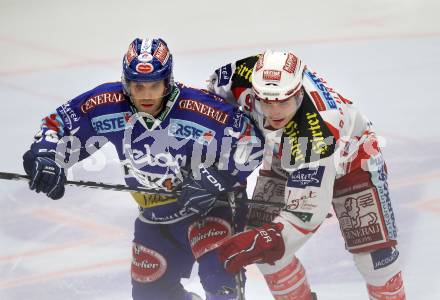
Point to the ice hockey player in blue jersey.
(168, 137)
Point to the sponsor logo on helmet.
(162, 53)
(131, 53)
(110, 122)
(147, 265)
(203, 109)
(186, 129)
(270, 94)
(145, 57)
(259, 63)
(144, 68)
(272, 75)
(290, 64)
(146, 45)
(101, 99)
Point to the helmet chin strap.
(299, 100)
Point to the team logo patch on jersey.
(303, 216)
(101, 99)
(322, 90)
(308, 137)
(379, 179)
(147, 265)
(267, 189)
(190, 130)
(207, 234)
(205, 110)
(152, 200)
(306, 177)
(224, 75)
(384, 257)
(318, 101)
(238, 116)
(111, 122)
(303, 202)
(242, 77)
(68, 115)
(360, 219)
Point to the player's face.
(148, 96)
(279, 113)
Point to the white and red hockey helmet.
(277, 75)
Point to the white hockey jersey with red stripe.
(319, 145)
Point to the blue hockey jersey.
(194, 127)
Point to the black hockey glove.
(46, 175)
(200, 195)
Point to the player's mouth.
(278, 121)
(146, 105)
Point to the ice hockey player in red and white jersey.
(320, 151)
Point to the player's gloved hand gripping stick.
(45, 174)
(200, 195)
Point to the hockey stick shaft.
(120, 187)
(91, 184)
(237, 277)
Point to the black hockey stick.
(91, 184)
(119, 187)
(239, 284)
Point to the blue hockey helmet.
(147, 60)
